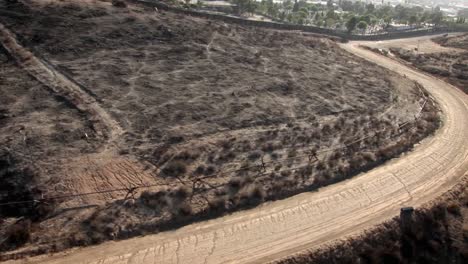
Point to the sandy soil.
(425, 44)
(309, 220)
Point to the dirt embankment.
(459, 41)
(448, 59)
(214, 117)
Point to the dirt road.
(308, 220)
(422, 44)
(61, 85)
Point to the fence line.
(282, 26)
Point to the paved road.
(308, 220)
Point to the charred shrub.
(16, 235)
(154, 199)
(18, 184)
(174, 168)
(119, 3)
(254, 155)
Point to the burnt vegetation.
(226, 117)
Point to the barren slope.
(311, 219)
(200, 118)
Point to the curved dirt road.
(104, 123)
(278, 229)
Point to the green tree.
(366, 18)
(413, 19)
(424, 17)
(288, 5)
(241, 6)
(370, 8)
(300, 17)
(387, 20)
(331, 14)
(362, 25)
(282, 15)
(437, 16)
(351, 24)
(347, 6)
(251, 6)
(463, 13)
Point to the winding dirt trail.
(278, 229)
(103, 122)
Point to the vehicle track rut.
(104, 124)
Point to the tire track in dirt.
(111, 171)
(309, 220)
(104, 124)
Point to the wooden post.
(406, 217)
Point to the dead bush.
(454, 208)
(226, 144)
(255, 155)
(235, 184)
(16, 235)
(253, 196)
(119, 3)
(210, 170)
(174, 168)
(187, 156)
(199, 170)
(278, 167)
(269, 147)
(184, 210)
(326, 129)
(320, 166)
(285, 173)
(180, 193)
(217, 204)
(274, 156)
(175, 139)
(292, 153)
(154, 199)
